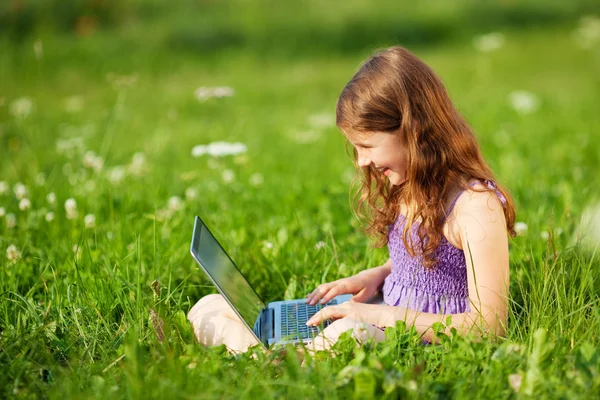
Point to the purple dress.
(442, 290)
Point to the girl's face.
(385, 153)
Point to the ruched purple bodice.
(442, 290)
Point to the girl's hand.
(362, 285)
(368, 313)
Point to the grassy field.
(99, 187)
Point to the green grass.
(78, 325)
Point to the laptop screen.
(224, 274)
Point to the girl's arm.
(484, 240)
(482, 226)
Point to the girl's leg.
(216, 323)
(360, 331)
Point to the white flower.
(74, 104)
(2, 212)
(138, 164)
(3, 187)
(90, 221)
(323, 120)
(589, 228)
(11, 220)
(116, 174)
(12, 253)
(256, 179)
(204, 93)
(305, 137)
(320, 244)
(51, 198)
(50, 216)
(71, 208)
(587, 33)
(93, 161)
(191, 193)
(24, 204)
(71, 146)
(219, 149)
(175, 203)
(544, 235)
(20, 191)
(514, 380)
(524, 102)
(21, 107)
(488, 42)
(521, 228)
(228, 176)
(267, 245)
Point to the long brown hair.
(395, 92)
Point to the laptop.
(278, 322)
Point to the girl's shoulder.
(479, 207)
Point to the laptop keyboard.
(294, 317)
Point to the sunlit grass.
(76, 297)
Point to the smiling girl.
(429, 196)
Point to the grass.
(75, 319)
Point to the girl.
(428, 194)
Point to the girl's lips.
(387, 171)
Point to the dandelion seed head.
(175, 203)
(521, 228)
(71, 208)
(93, 161)
(524, 102)
(24, 204)
(11, 220)
(322, 120)
(219, 149)
(49, 216)
(138, 164)
(204, 93)
(268, 245)
(191, 193)
(12, 253)
(228, 176)
(256, 179)
(116, 174)
(21, 191)
(51, 198)
(2, 212)
(489, 42)
(21, 108)
(3, 187)
(544, 235)
(90, 221)
(320, 245)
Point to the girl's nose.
(363, 161)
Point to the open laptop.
(278, 322)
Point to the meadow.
(104, 164)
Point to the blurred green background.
(102, 102)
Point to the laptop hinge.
(267, 324)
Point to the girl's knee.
(208, 304)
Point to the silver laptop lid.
(228, 279)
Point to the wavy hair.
(395, 92)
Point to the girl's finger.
(330, 312)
